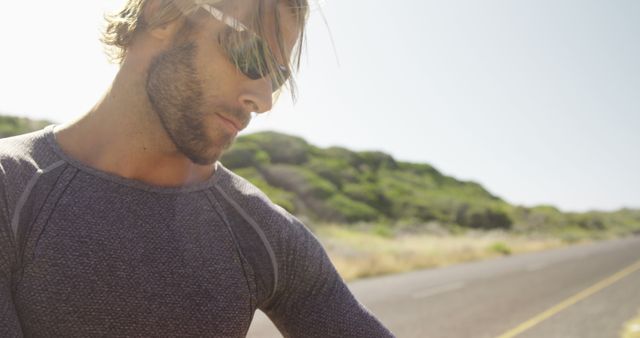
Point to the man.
(123, 223)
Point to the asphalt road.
(581, 291)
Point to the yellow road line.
(572, 300)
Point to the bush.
(336, 170)
(282, 148)
(244, 154)
(482, 218)
(377, 160)
(348, 210)
(500, 248)
(299, 180)
(369, 194)
(383, 231)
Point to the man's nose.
(257, 101)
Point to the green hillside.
(11, 126)
(343, 186)
(339, 185)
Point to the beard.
(176, 95)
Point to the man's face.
(202, 99)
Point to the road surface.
(580, 291)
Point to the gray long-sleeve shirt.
(85, 253)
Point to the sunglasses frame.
(276, 81)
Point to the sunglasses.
(249, 52)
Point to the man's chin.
(213, 153)
(228, 145)
(204, 159)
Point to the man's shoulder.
(253, 201)
(242, 190)
(24, 148)
(22, 156)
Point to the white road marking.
(438, 290)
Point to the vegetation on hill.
(343, 186)
(337, 185)
(11, 126)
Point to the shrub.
(244, 154)
(482, 218)
(370, 194)
(383, 231)
(500, 248)
(299, 180)
(377, 160)
(336, 170)
(346, 209)
(282, 148)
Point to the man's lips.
(232, 123)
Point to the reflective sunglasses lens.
(248, 56)
(248, 53)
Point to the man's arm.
(312, 300)
(9, 323)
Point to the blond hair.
(124, 25)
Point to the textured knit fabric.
(86, 253)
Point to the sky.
(537, 100)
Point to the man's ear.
(163, 32)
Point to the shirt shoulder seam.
(25, 195)
(256, 227)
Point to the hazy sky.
(537, 100)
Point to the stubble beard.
(176, 95)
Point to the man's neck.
(122, 135)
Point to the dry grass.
(632, 328)
(358, 254)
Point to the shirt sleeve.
(311, 299)
(9, 323)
